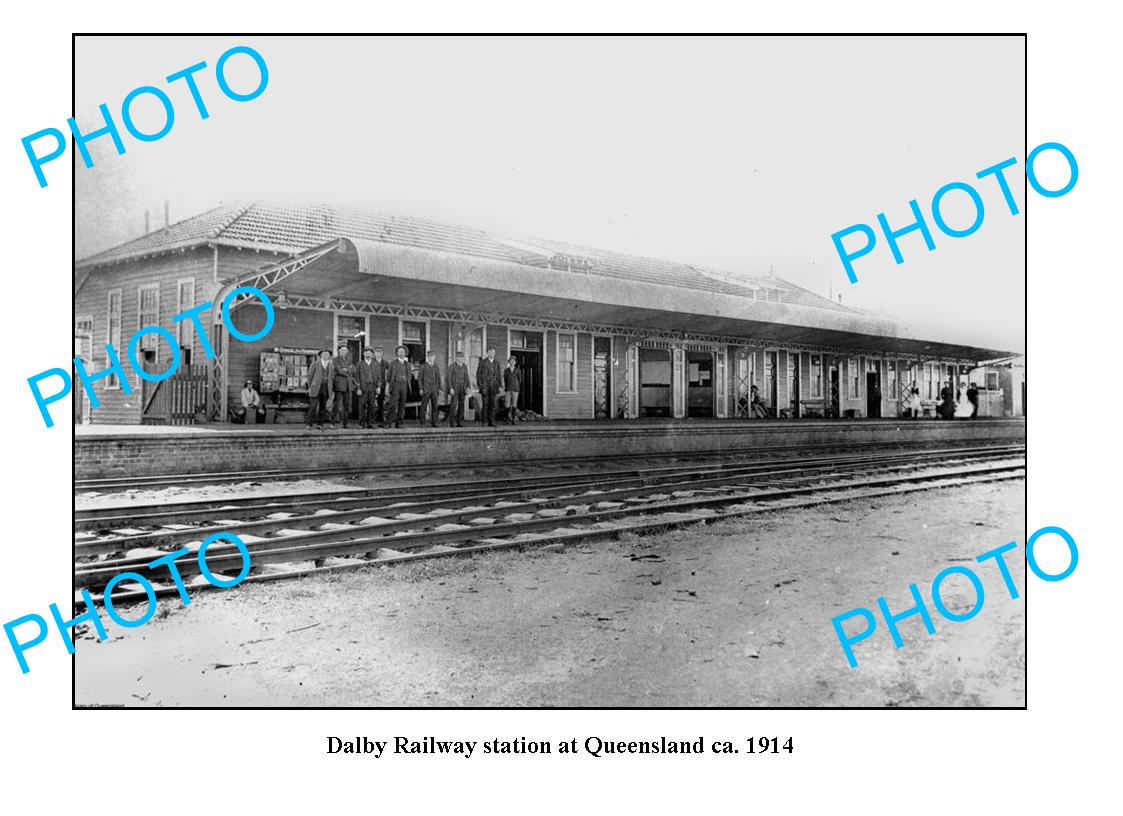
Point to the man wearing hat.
(383, 381)
(343, 384)
(398, 383)
(429, 378)
(251, 401)
(489, 379)
(457, 390)
(370, 389)
(321, 375)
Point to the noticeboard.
(285, 370)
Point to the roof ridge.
(242, 211)
(165, 231)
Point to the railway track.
(123, 483)
(314, 533)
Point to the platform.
(137, 451)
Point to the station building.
(598, 334)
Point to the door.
(530, 388)
(832, 403)
(793, 383)
(602, 377)
(770, 381)
(873, 394)
(654, 382)
(351, 331)
(355, 354)
(699, 384)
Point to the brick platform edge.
(137, 455)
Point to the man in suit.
(512, 382)
(383, 385)
(321, 375)
(344, 384)
(398, 384)
(370, 387)
(429, 378)
(489, 379)
(457, 390)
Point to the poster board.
(284, 370)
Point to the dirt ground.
(737, 613)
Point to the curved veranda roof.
(495, 290)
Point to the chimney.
(167, 219)
(147, 229)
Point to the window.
(526, 340)
(816, 376)
(351, 326)
(474, 351)
(185, 329)
(148, 314)
(414, 336)
(933, 380)
(892, 379)
(567, 362)
(113, 333)
(992, 381)
(855, 378)
(83, 337)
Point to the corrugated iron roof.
(292, 229)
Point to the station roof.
(292, 229)
(422, 261)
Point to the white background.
(1062, 753)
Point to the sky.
(743, 154)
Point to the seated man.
(251, 401)
(758, 408)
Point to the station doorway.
(770, 382)
(793, 384)
(873, 394)
(526, 348)
(699, 384)
(602, 377)
(530, 367)
(351, 331)
(654, 382)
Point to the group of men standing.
(383, 388)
